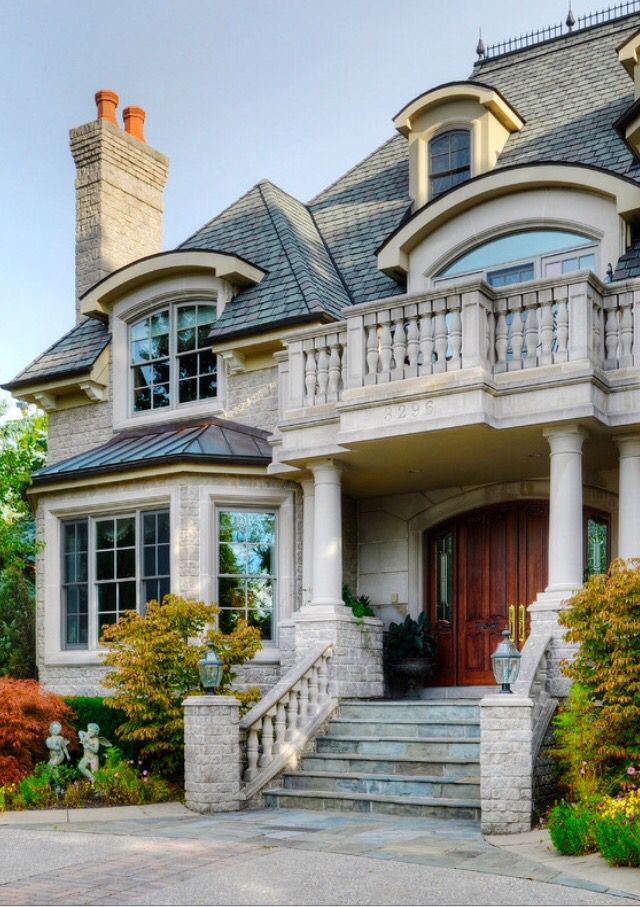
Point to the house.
(424, 383)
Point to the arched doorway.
(482, 569)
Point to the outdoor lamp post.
(505, 662)
(210, 669)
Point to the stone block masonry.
(506, 764)
(212, 762)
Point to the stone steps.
(414, 758)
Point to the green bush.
(43, 788)
(359, 604)
(120, 784)
(89, 709)
(572, 828)
(618, 840)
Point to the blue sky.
(292, 90)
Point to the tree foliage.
(26, 711)
(600, 728)
(153, 661)
(23, 446)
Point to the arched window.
(449, 160)
(527, 255)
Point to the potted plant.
(409, 650)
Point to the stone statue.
(57, 744)
(91, 743)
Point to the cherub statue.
(91, 743)
(57, 744)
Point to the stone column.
(565, 508)
(308, 507)
(506, 764)
(629, 496)
(212, 761)
(327, 535)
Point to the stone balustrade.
(571, 319)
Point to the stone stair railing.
(276, 730)
(533, 685)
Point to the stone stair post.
(212, 758)
(506, 763)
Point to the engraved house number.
(396, 412)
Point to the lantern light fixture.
(505, 662)
(210, 669)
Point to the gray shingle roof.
(628, 264)
(72, 355)
(205, 441)
(321, 257)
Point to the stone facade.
(506, 770)
(212, 754)
(252, 398)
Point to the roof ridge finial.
(480, 48)
(570, 20)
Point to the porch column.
(629, 496)
(565, 508)
(308, 507)
(327, 535)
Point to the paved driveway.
(274, 857)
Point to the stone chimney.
(119, 185)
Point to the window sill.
(212, 407)
(68, 658)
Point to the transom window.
(169, 359)
(247, 569)
(111, 564)
(527, 255)
(449, 160)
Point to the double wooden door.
(482, 570)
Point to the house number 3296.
(399, 411)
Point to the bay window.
(111, 564)
(169, 360)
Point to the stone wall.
(252, 398)
(506, 783)
(212, 754)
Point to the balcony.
(541, 352)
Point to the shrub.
(154, 664)
(359, 604)
(604, 619)
(571, 827)
(17, 622)
(575, 747)
(618, 840)
(43, 788)
(119, 783)
(26, 711)
(410, 639)
(94, 709)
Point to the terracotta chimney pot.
(134, 122)
(106, 102)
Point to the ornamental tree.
(153, 660)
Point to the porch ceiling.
(474, 455)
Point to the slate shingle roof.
(629, 263)
(205, 441)
(74, 354)
(320, 257)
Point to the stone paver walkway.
(176, 857)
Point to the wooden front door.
(482, 570)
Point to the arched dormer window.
(449, 160)
(525, 255)
(169, 359)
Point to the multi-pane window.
(444, 578)
(111, 564)
(449, 160)
(597, 560)
(75, 608)
(246, 569)
(169, 359)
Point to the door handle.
(512, 622)
(522, 624)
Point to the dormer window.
(449, 160)
(170, 362)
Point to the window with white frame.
(170, 363)
(449, 160)
(246, 568)
(111, 564)
(525, 255)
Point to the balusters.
(455, 337)
(441, 339)
(413, 346)
(399, 347)
(373, 355)
(323, 373)
(546, 328)
(292, 712)
(562, 332)
(611, 339)
(310, 371)
(502, 336)
(323, 680)
(626, 331)
(517, 333)
(281, 726)
(386, 352)
(531, 330)
(267, 740)
(426, 344)
(313, 689)
(252, 754)
(303, 702)
(334, 372)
